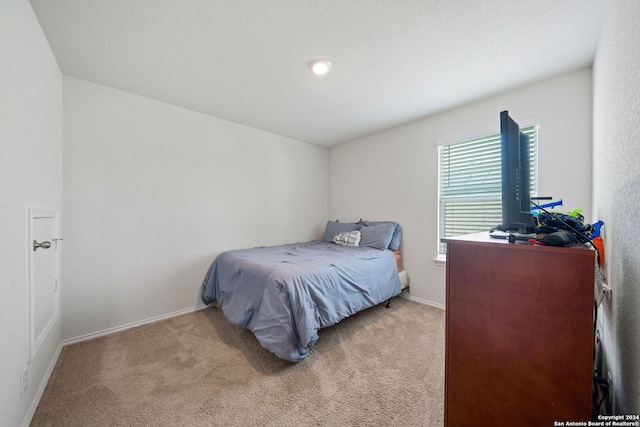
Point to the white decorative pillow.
(350, 238)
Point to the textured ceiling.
(246, 61)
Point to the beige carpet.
(380, 367)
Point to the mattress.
(404, 279)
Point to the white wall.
(616, 197)
(393, 175)
(30, 175)
(153, 193)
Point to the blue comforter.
(285, 294)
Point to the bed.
(285, 294)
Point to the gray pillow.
(377, 236)
(335, 227)
(396, 239)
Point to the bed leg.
(388, 303)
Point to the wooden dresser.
(519, 333)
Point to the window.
(470, 186)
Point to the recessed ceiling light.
(320, 67)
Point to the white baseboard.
(422, 301)
(40, 391)
(131, 325)
(179, 313)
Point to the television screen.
(516, 198)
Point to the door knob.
(43, 245)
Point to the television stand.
(519, 332)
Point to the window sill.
(440, 260)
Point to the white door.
(43, 280)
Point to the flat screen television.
(516, 197)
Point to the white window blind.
(470, 186)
